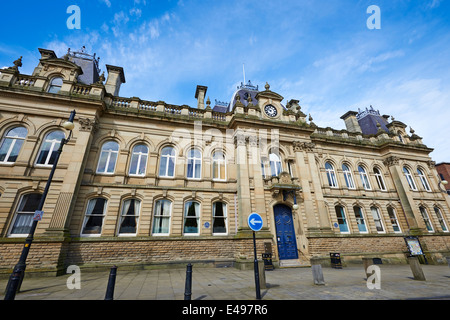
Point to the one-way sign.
(255, 222)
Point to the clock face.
(270, 110)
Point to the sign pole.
(258, 290)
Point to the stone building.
(144, 183)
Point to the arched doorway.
(285, 233)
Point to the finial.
(208, 102)
(267, 86)
(310, 118)
(101, 78)
(411, 130)
(392, 118)
(17, 64)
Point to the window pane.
(112, 162)
(191, 217)
(18, 132)
(4, 149)
(134, 164)
(360, 219)
(162, 217)
(94, 216)
(393, 219)
(341, 219)
(24, 214)
(377, 219)
(219, 217)
(171, 167)
(130, 214)
(142, 164)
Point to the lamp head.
(69, 123)
(444, 182)
(295, 206)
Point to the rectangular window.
(360, 219)
(342, 221)
(219, 218)
(24, 215)
(394, 221)
(161, 221)
(441, 219)
(93, 221)
(377, 219)
(129, 217)
(191, 218)
(426, 219)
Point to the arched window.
(441, 219)
(219, 218)
(275, 164)
(194, 164)
(93, 220)
(331, 175)
(108, 157)
(360, 219)
(191, 218)
(400, 137)
(377, 219)
(426, 219)
(23, 218)
(348, 177)
(49, 148)
(12, 143)
(139, 157)
(167, 162)
(423, 179)
(55, 85)
(379, 178)
(129, 217)
(342, 221)
(219, 166)
(409, 178)
(394, 220)
(161, 219)
(364, 178)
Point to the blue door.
(287, 244)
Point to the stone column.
(243, 185)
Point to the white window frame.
(348, 177)
(123, 215)
(423, 179)
(360, 219)
(344, 218)
(87, 216)
(426, 218)
(172, 156)
(194, 160)
(219, 161)
(140, 162)
(14, 140)
(364, 178)
(376, 215)
(394, 219)
(441, 219)
(109, 154)
(331, 175)
(380, 180)
(409, 178)
(224, 217)
(276, 167)
(54, 146)
(18, 212)
(197, 217)
(53, 85)
(159, 215)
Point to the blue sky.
(319, 52)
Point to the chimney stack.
(115, 79)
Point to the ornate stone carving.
(391, 161)
(306, 146)
(87, 124)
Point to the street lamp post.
(15, 280)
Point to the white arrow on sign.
(253, 221)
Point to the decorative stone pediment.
(284, 183)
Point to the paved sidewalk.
(349, 283)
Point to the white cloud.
(107, 2)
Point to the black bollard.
(188, 286)
(111, 284)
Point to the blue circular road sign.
(255, 222)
